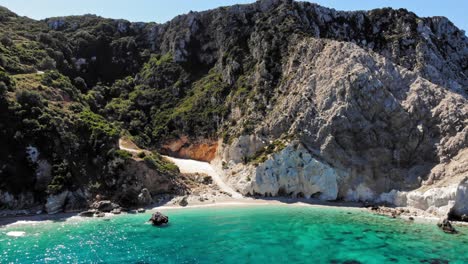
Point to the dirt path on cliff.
(194, 166)
(187, 166)
(129, 146)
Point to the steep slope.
(354, 124)
(57, 151)
(288, 98)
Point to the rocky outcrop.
(202, 150)
(104, 206)
(88, 213)
(144, 198)
(56, 203)
(368, 126)
(446, 226)
(294, 172)
(183, 201)
(137, 176)
(460, 207)
(76, 201)
(19, 201)
(441, 201)
(159, 219)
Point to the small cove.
(235, 234)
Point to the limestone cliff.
(362, 126)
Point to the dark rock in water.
(446, 226)
(435, 261)
(351, 262)
(158, 219)
(89, 213)
(411, 218)
(141, 210)
(104, 206)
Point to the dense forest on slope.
(70, 87)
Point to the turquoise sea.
(237, 234)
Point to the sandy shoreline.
(169, 205)
(220, 202)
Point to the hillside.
(284, 98)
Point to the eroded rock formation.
(366, 126)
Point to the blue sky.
(164, 10)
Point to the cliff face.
(285, 97)
(362, 126)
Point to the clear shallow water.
(253, 234)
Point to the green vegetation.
(99, 127)
(70, 86)
(122, 154)
(61, 177)
(263, 154)
(200, 112)
(158, 163)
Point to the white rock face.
(393, 197)
(361, 193)
(379, 125)
(436, 197)
(293, 171)
(244, 146)
(56, 203)
(438, 201)
(461, 199)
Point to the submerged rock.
(158, 219)
(446, 226)
(141, 210)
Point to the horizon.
(160, 12)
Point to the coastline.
(173, 204)
(219, 202)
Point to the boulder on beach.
(104, 206)
(144, 198)
(183, 202)
(159, 219)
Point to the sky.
(164, 10)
